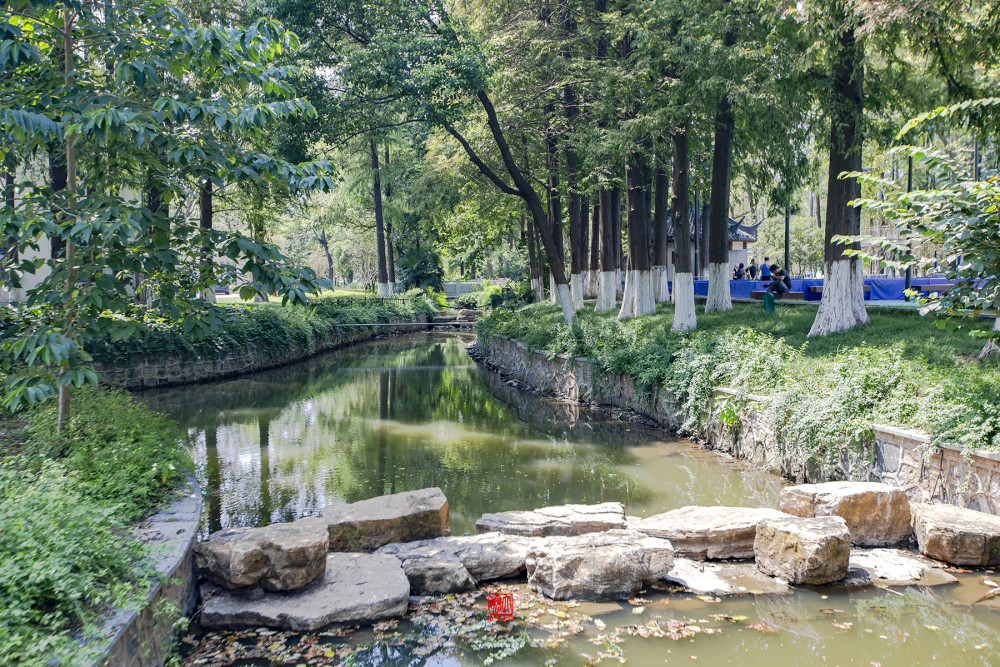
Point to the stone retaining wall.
(143, 638)
(903, 457)
(148, 373)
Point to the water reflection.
(410, 412)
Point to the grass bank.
(267, 326)
(823, 393)
(67, 553)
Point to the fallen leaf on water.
(709, 598)
(980, 647)
(843, 626)
(600, 624)
(638, 610)
(931, 627)
(763, 627)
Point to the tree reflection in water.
(411, 412)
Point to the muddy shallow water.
(414, 411)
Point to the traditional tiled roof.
(738, 231)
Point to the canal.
(414, 411)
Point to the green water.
(414, 411)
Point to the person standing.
(765, 270)
(752, 269)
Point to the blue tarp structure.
(882, 289)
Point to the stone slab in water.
(723, 578)
(876, 514)
(714, 533)
(558, 520)
(431, 576)
(356, 588)
(399, 517)
(894, 567)
(279, 557)
(610, 565)
(957, 535)
(802, 550)
(486, 557)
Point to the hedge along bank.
(741, 387)
(249, 338)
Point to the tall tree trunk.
(324, 243)
(533, 273)
(553, 200)
(390, 255)
(683, 292)
(57, 180)
(607, 294)
(206, 213)
(524, 189)
(639, 297)
(382, 286)
(843, 303)
(577, 217)
(661, 216)
(62, 418)
(616, 225)
(719, 297)
(595, 250)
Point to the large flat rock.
(803, 551)
(487, 556)
(356, 588)
(723, 578)
(399, 517)
(279, 557)
(895, 567)
(430, 576)
(714, 533)
(876, 514)
(558, 520)
(597, 566)
(957, 535)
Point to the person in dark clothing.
(752, 270)
(781, 282)
(739, 273)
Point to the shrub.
(124, 456)
(469, 300)
(65, 560)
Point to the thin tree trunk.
(577, 217)
(382, 287)
(62, 418)
(206, 214)
(616, 226)
(719, 297)
(661, 216)
(608, 284)
(843, 303)
(390, 255)
(639, 297)
(324, 243)
(533, 262)
(683, 292)
(553, 200)
(595, 250)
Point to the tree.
(142, 113)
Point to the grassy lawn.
(901, 369)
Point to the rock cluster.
(713, 533)
(559, 520)
(321, 570)
(876, 514)
(279, 557)
(400, 517)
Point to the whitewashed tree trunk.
(209, 295)
(553, 292)
(661, 284)
(991, 347)
(593, 278)
(606, 292)
(843, 303)
(538, 289)
(577, 288)
(645, 293)
(566, 301)
(719, 297)
(685, 318)
(383, 289)
(627, 311)
(619, 279)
